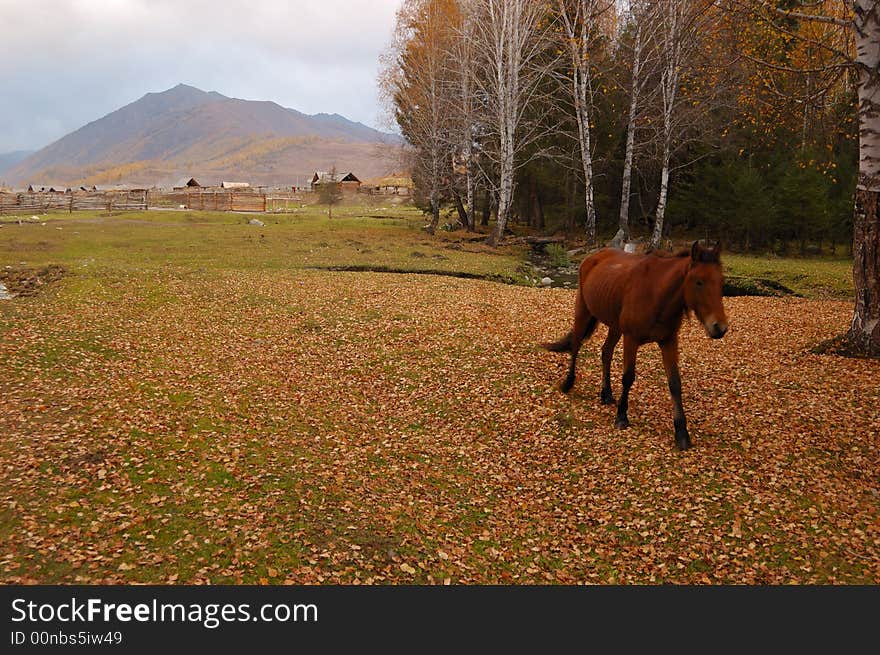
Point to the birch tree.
(463, 108)
(641, 24)
(688, 89)
(859, 22)
(675, 47)
(581, 30)
(864, 332)
(510, 38)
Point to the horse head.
(702, 289)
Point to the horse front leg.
(630, 348)
(607, 355)
(669, 350)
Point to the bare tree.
(511, 62)
(465, 120)
(690, 86)
(330, 190)
(641, 24)
(581, 30)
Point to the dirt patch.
(358, 268)
(754, 286)
(30, 281)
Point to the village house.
(185, 183)
(393, 185)
(48, 188)
(347, 181)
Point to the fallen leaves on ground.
(355, 428)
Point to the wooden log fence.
(36, 203)
(237, 201)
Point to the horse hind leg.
(584, 326)
(607, 355)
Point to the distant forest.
(652, 119)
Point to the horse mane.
(706, 256)
(665, 254)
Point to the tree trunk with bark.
(623, 230)
(671, 56)
(462, 212)
(435, 212)
(579, 22)
(487, 208)
(470, 184)
(660, 214)
(864, 332)
(505, 200)
(511, 64)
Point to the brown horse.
(644, 298)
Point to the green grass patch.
(809, 277)
(93, 245)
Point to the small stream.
(563, 277)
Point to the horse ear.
(695, 251)
(717, 249)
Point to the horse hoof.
(683, 444)
(608, 399)
(621, 423)
(566, 386)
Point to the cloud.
(66, 63)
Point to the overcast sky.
(64, 63)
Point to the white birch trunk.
(464, 55)
(578, 30)
(587, 160)
(864, 331)
(508, 49)
(661, 201)
(470, 184)
(510, 68)
(668, 90)
(623, 232)
(505, 190)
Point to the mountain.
(10, 159)
(185, 131)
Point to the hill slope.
(187, 131)
(10, 159)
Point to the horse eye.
(699, 283)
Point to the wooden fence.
(221, 201)
(238, 201)
(17, 203)
(230, 201)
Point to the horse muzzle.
(715, 329)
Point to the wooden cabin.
(347, 181)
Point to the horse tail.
(561, 346)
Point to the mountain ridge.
(10, 159)
(182, 130)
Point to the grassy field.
(94, 244)
(194, 401)
(809, 277)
